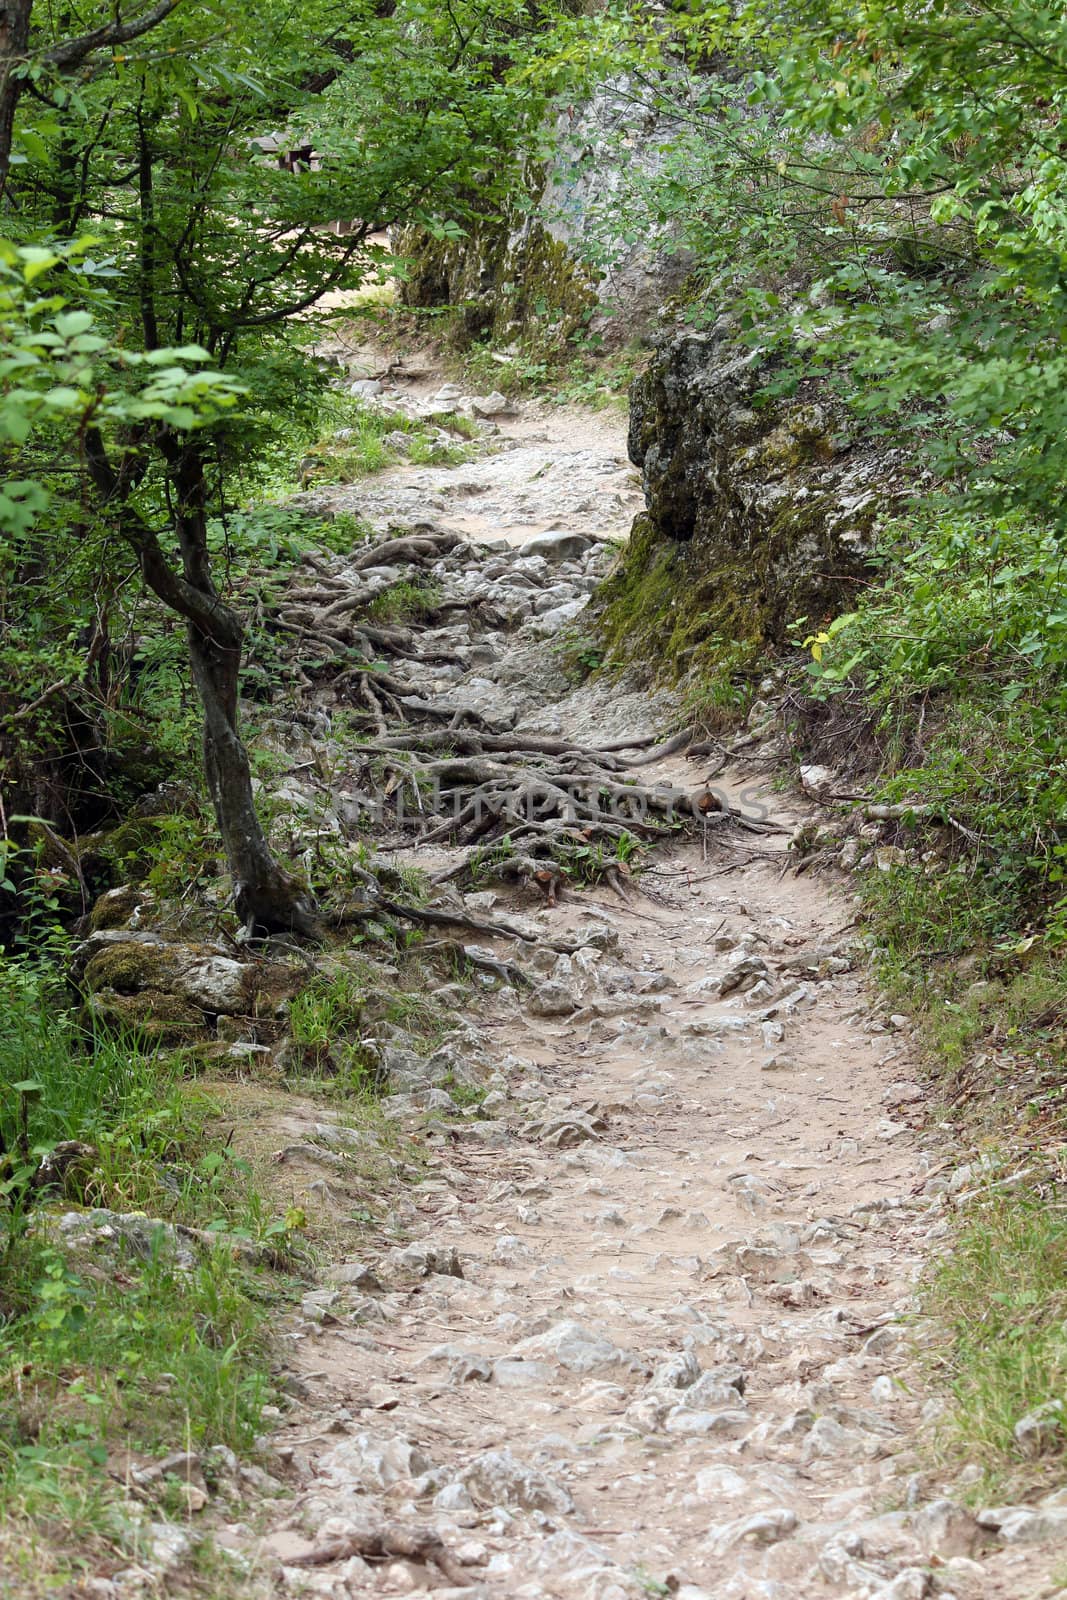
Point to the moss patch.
(505, 284)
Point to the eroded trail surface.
(641, 1325)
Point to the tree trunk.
(14, 46)
(266, 897)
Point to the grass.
(108, 1349)
(578, 375)
(326, 1023)
(406, 602)
(370, 440)
(999, 1299)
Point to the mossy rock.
(152, 1015)
(215, 984)
(508, 279)
(115, 907)
(130, 968)
(761, 511)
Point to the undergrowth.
(945, 693)
(113, 1340)
(999, 1297)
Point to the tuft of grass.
(998, 1298)
(330, 1045)
(406, 602)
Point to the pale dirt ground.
(753, 1209)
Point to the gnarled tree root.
(388, 1544)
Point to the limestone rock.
(496, 1477)
(577, 1348)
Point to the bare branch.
(72, 52)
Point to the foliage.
(958, 660)
(867, 191)
(159, 364)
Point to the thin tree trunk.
(268, 898)
(265, 895)
(14, 46)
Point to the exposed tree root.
(388, 1544)
(544, 807)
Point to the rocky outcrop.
(506, 280)
(539, 273)
(170, 992)
(760, 511)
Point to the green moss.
(129, 968)
(151, 1015)
(660, 609)
(115, 908)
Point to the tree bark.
(14, 47)
(266, 897)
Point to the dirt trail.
(646, 1327)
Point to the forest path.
(647, 1331)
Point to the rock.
(181, 1464)
(168, 1545)
(683, 1419)
(1025, 1525)
(558, 546)
(763, 1528)
(114, 1233)
(493, 405)
(911, 1584)
(945, 1529)
(422, 1260)
(356, 1273)
(827, 1439)
(368, 1461)
(120, 907)
(320, 1306)
(743, 969)
(511, 1251)
(680, 1372)
(551, 1000)
(818, 782)
(577, 1348)
(712, 1391)
(715, 1483)
(560, 617)
(563, 1133)
(496, 1477)
(1040, 1431)
(849, 857)
(509, 1374)
(770, 516)
(125, 963)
